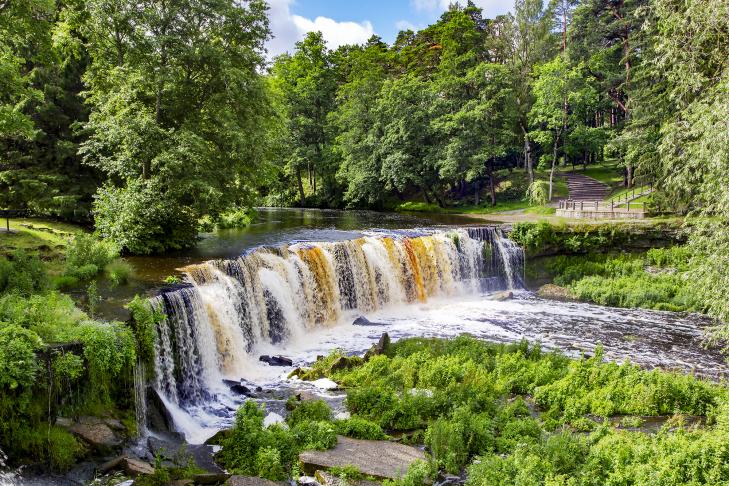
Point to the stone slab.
(376, 458)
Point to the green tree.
(307, 85)
(179, 115)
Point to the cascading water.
(274, 295)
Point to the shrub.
(309, 434)
(236, 218)
(268, 464)
(18, 363)
(538, 193)
(119, 271)
(359, 428)
(308, 410)
(86, 256)
(22, 274)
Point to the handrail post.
(628, 205)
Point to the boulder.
(180, 452)
(555, 292)
(130, 465)
(380, 348)
(363, 321)
(219, 437)
(251, 481)
(325, 384)
(210, 478)
(238, 387)
(502, 296)
(277, 360)
(96, 433)
(344, 363)
(137, 467)
(376, 458)
(327, 479)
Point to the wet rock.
(115, 424)
(96, 433)
(251, 481)
(555, 292)
(210, 478)
(307, 481)
(381, 347)
(130, 465)
(158, 417)
(299, 373)
(276, 360)
(327, 479)
(180, 452)
(238, 387)
(137, 467)
(219, 437)
(376, 458)
(502, 296)
(325, 384)
(450, 480)
(363, 321)
(345, 363)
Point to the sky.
(355, 21)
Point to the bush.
(86, 256)
(22, 274)
(308, 410)
(359, 428)
(538, 193)
(118, 271)
(236, 218)
(144, 218)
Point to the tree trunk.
(528, 155)
(425, 195)
(302, 197)
(476, 192)
(554, 164)
(629, 176)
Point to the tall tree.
(531, 43)
(179, 115)
(306, 81)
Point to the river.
(293, 283)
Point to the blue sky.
(346, 22)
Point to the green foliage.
(18, 365)
(308, 410)
(145, 319)
(626, 280)
(236, 218)
(359, 428)
(22, 274)
(118, 271)
(538, 193)
(86, 256)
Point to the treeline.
(161, 118)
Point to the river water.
(293, 284)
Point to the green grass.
(40, 237)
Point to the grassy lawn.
(41, 237)
(607, 172)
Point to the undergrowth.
(509, 414)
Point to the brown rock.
(555, 292)
(137, 467)
(210, 478)
(95, 432)
(376, 458)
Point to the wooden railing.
(613, 206)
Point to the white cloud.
(491, 8)
(405, 25)
(288, 28)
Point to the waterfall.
(140, 398)
(270, 295)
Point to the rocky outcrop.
(363, 321)
(380, 348)
(97, 433)
(375, 458)
(130, 465)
